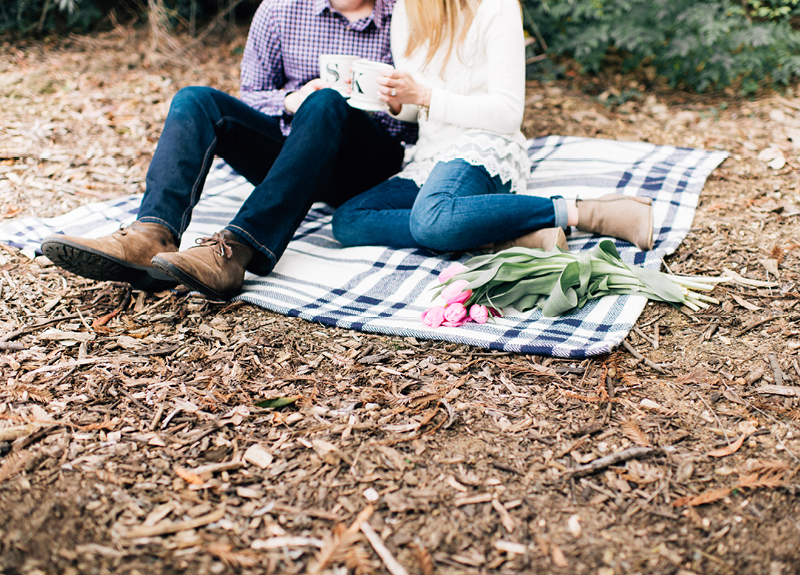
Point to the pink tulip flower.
(478, 313)
(455, 292)
(450, 271)
(455, 313)
(434, 316)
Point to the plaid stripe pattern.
(383, 290)
(284, 44)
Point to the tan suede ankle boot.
(624, 217)
(124, 256)
(215, 267)
(546, 239)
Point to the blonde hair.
(438, 22)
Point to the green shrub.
(694, 44)
(34, 16)
(31, 16)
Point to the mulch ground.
(164, 433)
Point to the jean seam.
(260, 246)
(198, 182)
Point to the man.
(296, 141)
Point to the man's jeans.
(333, 153)
(459, 207)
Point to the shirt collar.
(320, 6)
(380, 12)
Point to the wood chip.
(736, 278)
(482, 498)
(744, 303)
(258, 456)
(389, 561)
(785, 390)
(510, 547)
(282, 542)
(167, 527)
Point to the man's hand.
(293, 100)
(398, 87)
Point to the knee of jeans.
(190, 96)
(322, 108)
(427, 230)
(327, 103)
(342, 226)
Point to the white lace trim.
(500, 156)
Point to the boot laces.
(217, 242)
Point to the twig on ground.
(642, 358)
(755, 324)
(374, 539)
(22, 331)
(776, 368)
(613, 459)
(168, 528)
(645, 337)
(11, 346)
(768, 416)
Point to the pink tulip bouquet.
(455, 312)
(556, 282)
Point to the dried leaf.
(423, 558)
(769, 466)
(237, 558)
(586, 398)
(13, 464)
(339, 542)
(24, 392)
(278, 402)
(709, 496)
(188, 476)
(728, 449)
(697, 375)
(632, 432)
(769, 479)
(358, 560)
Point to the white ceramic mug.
(364, 85)
(334, 68)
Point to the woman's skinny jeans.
(459, 207)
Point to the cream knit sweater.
(482, 88)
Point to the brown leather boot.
(215, 267)
(547, 239)
(124, 256)
(624, 217)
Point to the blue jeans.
(459, 207)
(333, 153)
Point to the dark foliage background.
(706, 44)
(699, 45)
(41, 16)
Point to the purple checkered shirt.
(283, 48)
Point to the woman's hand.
(293, 100)
(397, 87)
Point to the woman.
(460, 72)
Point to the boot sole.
(95, 265)
(190, 282)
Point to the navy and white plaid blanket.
(383, 290)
